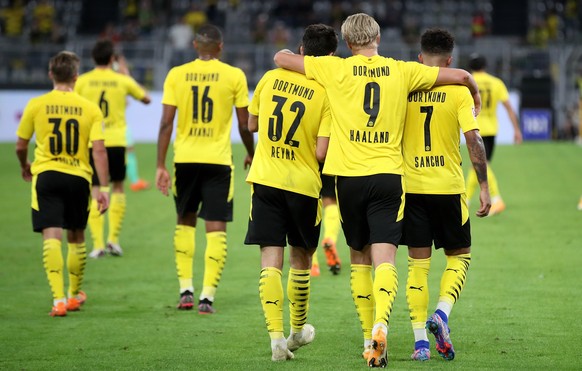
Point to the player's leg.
(362, 287)
(117, 205)
(52, 258)
(303, 235)
(135, 182)
(217, 203)
(497, 204)
(96, 219)
(331, 223)
(266, 228)
(187, 200)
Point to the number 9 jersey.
(293, 112)
(368, 97)
(64, 124)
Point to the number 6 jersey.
(368, 97)
(64, 124)
(204, 93)
(293, 112)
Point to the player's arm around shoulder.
(290, 61)
(449, 76)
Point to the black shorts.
(443, 219)
(278, 215)
(328, 186)
(371, 209)
(207, 184)
(489, 143)
(60, 200)
(116, 161)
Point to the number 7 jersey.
(293, 112)
(204, 93)
(367, 97)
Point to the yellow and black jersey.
(492, 91)
(432, 157)
(109, 90)
(204, 93)
(64, 124)
(291, 111)
(368, 98)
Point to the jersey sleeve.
(420, 77)
(96, 125)
(254, 106)
(134, 89)
(466, 111)
(168, 96)
(79, 84)
(317, 69)
(325, 125)
(26, 126)
(502, 89)
(241, 98)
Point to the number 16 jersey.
(204, 93)
(293, 112)
(368, 97)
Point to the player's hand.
(163, 180)
(248, 161)
(102, 202)
(26, 173)
(477, 101)
(517, 137)
(485, 206)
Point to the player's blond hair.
(360, 30)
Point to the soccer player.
(109, 89)
(331, 226)
(436, 208)
(493, 91)
(291, 115)
(368, 95)
(64, 125)
(203, 92)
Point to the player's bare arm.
(321, 148)
(448, 76)
(22, 154)
(242, 114)
(290, 61)
(165, 134)
(517, 137)
(253, 124)
(102, 169)
(479, 160)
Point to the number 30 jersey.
(432, 157)
(293, 112)
(64, 124)
(204, 93)
(368, 98)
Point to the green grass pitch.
(520, 308)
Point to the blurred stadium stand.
(527, 42)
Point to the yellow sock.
(214, 260)
(96, 226)
(52, 257)
(492, 180)
(116, 215)
(453, 278)
(76, 259)
(385, 288)
(298, 291)
(314, 259)
(417, 291)
(362, 293)
(331, 222)
(472, 184)
(271, 294)
(184, 246)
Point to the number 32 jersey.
(368, 97)
(204, 93)
(293, 112)
(64, 124)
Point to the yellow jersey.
(64, 124)
(431, 143)
(368, 97)
(204, 93)
(492, 91)
(109, 90)
(291, 111)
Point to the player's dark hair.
(102, 52)
(208, 35)
(64, 67)
(437, 41)
(319, 39)
(477, 62)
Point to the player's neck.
(207, 56)
(66, 87)
(366, 52)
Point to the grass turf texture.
(520, 308)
